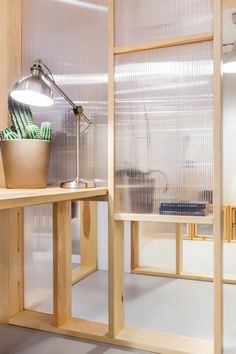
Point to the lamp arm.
(78, 110)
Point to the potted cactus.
(25, 148)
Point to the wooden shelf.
(129, 337)
(12, 198)
(182, 219)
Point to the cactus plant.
(21, 116)
(9, 134)
(23, 125)
(33, 131)
(46, 131)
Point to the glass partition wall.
(165, 135)
(70, 37)
(165, 119)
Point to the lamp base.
(77, 184)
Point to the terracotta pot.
(25, 162)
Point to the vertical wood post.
(88, 234)
(115, 228)
(11, 221)
(62, 262)
(134, 244)
(217, 191)
(11, 263)
(179, 248)
(10, 58)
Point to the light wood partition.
(115, 228)
(217, 179)
(115, 332)
(10, 57)
(11, 251)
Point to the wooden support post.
(88, 234)
(217, 183)
(115, 228)
(62, 262)
(11, 263)
(134, 244)
(179, 248)
(10, 60)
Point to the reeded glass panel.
(71, 38)
(164, 130)
(38, 246)
(150, 20)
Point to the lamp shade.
(230, 61)
(33, 90)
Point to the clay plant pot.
(25, 162)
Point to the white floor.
(169, 305)
(18, 340)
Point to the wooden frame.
(226, 221)
(229, 4)
(115, 332)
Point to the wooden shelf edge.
(12, 198)
(164, 218)
(81, 272)
(162, 343)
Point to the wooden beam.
(153, 341)
(115, 228)
(81, 272)
(217, 179)
(88, 234)
(10, 58)
(11, 263)
(134, 244)
(167, 273)
(229, 4)
(4, 270)
(179, 248)
(131, 48)
(62, 262)
(16, 261)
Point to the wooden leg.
(62, 262)
(179, 248)
(11, 263)
(134, 244)
(88, 234)
(88, 242)
(116, 276)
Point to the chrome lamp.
(34, 90)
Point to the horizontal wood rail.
(163, 343)
(81, 272)
(167, 273)
(130, 48)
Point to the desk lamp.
(34, 90)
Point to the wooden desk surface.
(12, 198)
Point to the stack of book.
(196, 208)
